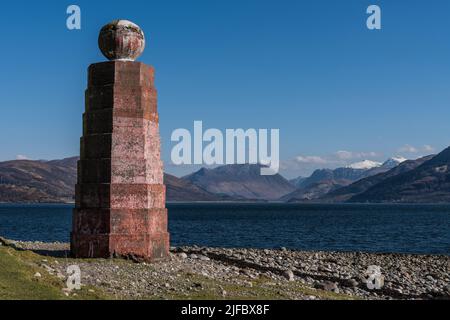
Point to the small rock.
(193, 256)
(66, 291)
(204, 258)
(328, 286)
(91, 291)
(37, 275)
(183, 255)
(289, 275)
(205, 274)
(49, 269)
(324, 269)
(224, 293)
(352, 283)
(435, 291)
(398, 290)
(60, 276)
(283, 249)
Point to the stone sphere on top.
(121, 40)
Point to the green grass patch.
(18, 281)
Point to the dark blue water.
(370, 228)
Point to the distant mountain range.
(181, 190)
(241, 182)
(38, 181)
(359, 187)
(425, 180)
(324, 181)
(428, 182)
(54, 182)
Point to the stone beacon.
(120, 195)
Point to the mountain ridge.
(396, 181)
(428, 182)
(243, 182)
(38, 181)
(324, 181)
(346, 193)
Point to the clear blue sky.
(310, 68)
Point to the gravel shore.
(284, 273)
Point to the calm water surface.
(370, 228)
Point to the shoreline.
(52, 244)
(261, 202)
(406, 276)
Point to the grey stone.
(352, 283)
(289, 275)
(328, 286)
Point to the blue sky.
(310, 68)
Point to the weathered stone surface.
(127, 97)
(121, 40)
(120, 196)
(129, 73)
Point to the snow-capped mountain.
(365, 165)
(369, 164)
(393, 162)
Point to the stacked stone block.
(120, 196)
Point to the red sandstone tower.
(120, 196)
